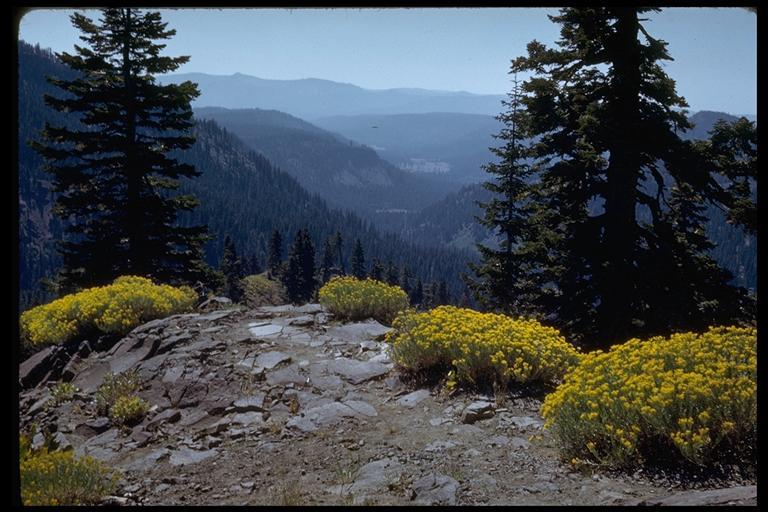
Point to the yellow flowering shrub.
(116, 308)
(128, 410)
(114, 387)
(480, 348)
(354, 299)
(683, 398)
(50, 478)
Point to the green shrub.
(690, 397)
(353, 299)
(51, 478)
(62, 392)
(479, 348)
(117, 308)
(128, 410)
(261, 291)
(114, 387)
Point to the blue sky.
(715, 49)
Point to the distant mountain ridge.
(310, 98)
(344, 173)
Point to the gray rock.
(265, 331)
(269, 360)
(436, 422)
(310, 309)
(167, 416)
(171, 342)
(413, 399)
(476, 411)
(90, 379)
(439, 446)
(435, 489)
(215, 316)
(322, 416)
(497, 441)
(394, 383)
(360, 407)
(303, 320)
(520, 443)
(356, 371)
(254, 402)
(148, 461)
(726, 496)
(506, 420)
(248, 419)
(140, 436)
(34, 369)
(286, 376)
(327, 382)
(92, 427)
(375, 475)
(128, 352)
(185, 456)
(357, 332)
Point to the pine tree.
(338, 242)
(377, 270)
(606, 120)
(405, 279)
(326, 267)
(503, 280)
(417, 296)
(443, 297)
(112, 174)
(358, 261)
(232, 268)
(299, 275)
(392, 276)
(253, 266)
(274, 254)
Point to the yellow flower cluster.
(689, 392)
(482, 348)
(116, 308)
(50, 478)
(354, 299)
(128, 410)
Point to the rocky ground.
(283, 406)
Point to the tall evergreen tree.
(358, 261)
(377, 270)
(405, 279)
(274, 254)
(326, 265)
(253, 266)
(112, 174)
(338, 244)
(232, 268)
(299, 275)
(392, 276)
(503, 280)
(443, 297)
(417, 295)
(606, 120)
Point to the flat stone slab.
(356, 371)
(286, 376)
(269, 360)
(726, 496)
(413, 399)
(375, 475)
(254, 402)
(263, 331)
(185, 456)
(435, 489)
(360, 331)
(520, 422)
(327, 414)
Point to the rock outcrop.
(282, 405)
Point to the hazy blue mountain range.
(311, 98)
(344, 173)
(243, 195)
(453, 145)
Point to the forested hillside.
(242, 194)
(344, 173)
